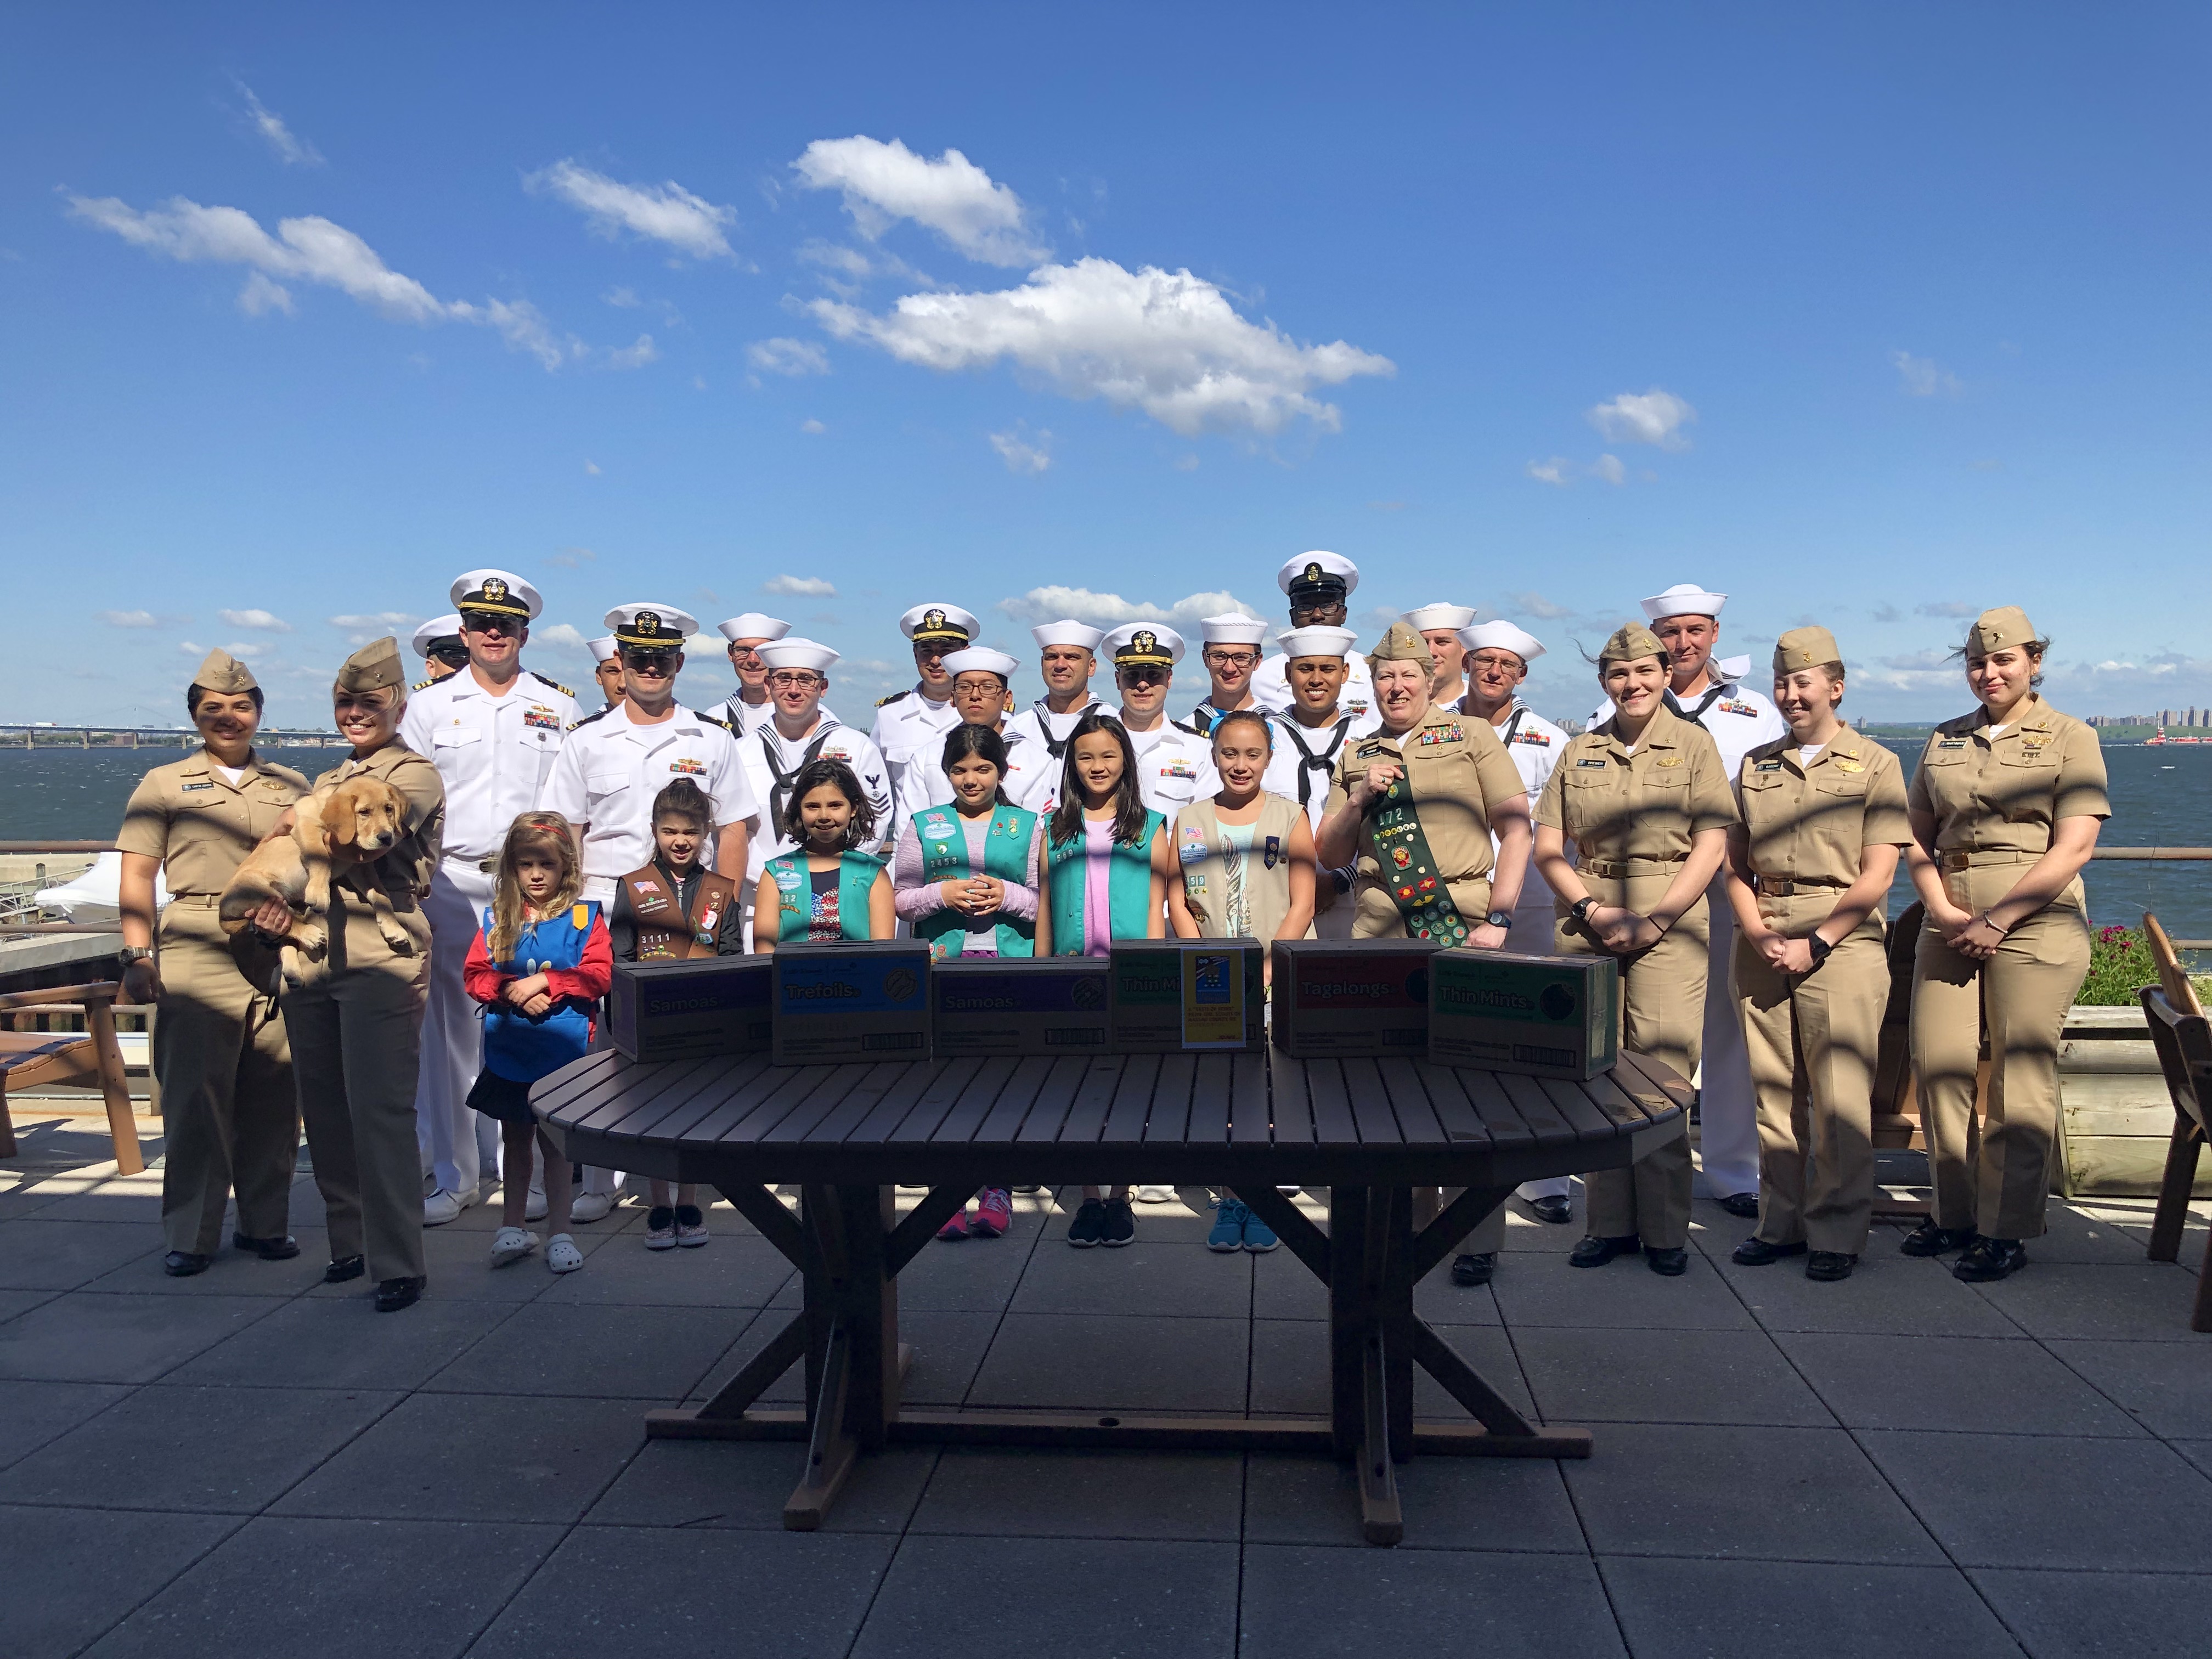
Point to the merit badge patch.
(1273, 854)
(936, 828)
(647, 896)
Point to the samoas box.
(1172, 995)
(1366, 996)
(859, 1001)
(686, 1010)
(1544, 1015)
(1018, 1006)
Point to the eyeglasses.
(487, 622)
(1231, 659)
(793, 679)
(977, 685)
(1495, 660)
(650, 663)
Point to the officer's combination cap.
(939, 624)
(1318, 577)
(1136, 645)
(439, 631)
(502, 592)
(651, 627)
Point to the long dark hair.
(1129, 804)
(964, 740)
(837, 775)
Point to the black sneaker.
(1756, 1252)
(1829, 1266)
(1475, 1268)
(1989, 1258)
(1118, 1225)
(1929, 1239)
(1090, 1222)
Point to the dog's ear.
(339, 817)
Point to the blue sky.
(1872, 316)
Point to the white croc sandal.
(511, 1244)
(562, 1254)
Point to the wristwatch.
(136, 954)
(1499, 919)
(1581, 908)
(1819, 948)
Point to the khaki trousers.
(1663, 1015)
(229, 1117)
(1995, 1179)
(1812, 1042)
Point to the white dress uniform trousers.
(765, 751)
(1305, 758)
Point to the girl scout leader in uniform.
(2005, 808)
(229, 1118)
(1808, 869)
(1643, 797)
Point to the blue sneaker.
(1259, 1236)
(1231, 1219)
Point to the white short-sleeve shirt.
(610, 768)
(493, 754)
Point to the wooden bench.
(2183, 1037)
(31, 1058)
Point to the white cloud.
(246, 652)
(309, 250)
(1558, 471)
(624, 298)
(635, 357)
(665, 213)
(1645, 417)
(1608, 467)
(569, 558)
(1948, 608)
(1110, 610)
(883, 182)
(592, 469)
(813, 587)
(1535, 604)
(1022, 456)
(292, 150)
(375, 621)
(1924, 377)
(813, 426)
(783, 355)
(262, 620)
(129, 619)
(1165, 342)
(261, 296)
(559, 636)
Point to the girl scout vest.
(1128, 889)
(665, 932)
(794, 887)
(516, 1047)
(1204, 853)
(944, 838)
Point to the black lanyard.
(781, 789)
(1054, 746)
(1713, 695)
(1309, 762)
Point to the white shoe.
(591, 1206)
(562, 1254)
(534, 1207)
(511, 1244)
(1156, 1195)
(442, 1206)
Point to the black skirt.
(502, 1098)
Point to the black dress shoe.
(1595, 1252)
(1929, 1239)
(1756, 1252)
(1989, 1258)
(269, 1249)
(183, 1264)
(1672, 1263)
(1556, 1209)
(393, 1294)
(1744, 1204)
(345, 1267)
(1474, 1269)
(1829, 1266)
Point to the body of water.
(2161, 797)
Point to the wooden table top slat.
(1618, 1105)
(686, 1102)
(1206, 1123)
(574, 1078)
(1293, 1108)
(1021, 1096)
(1087, 1112)
(1141, 1076)
(1462, 1124)
(800, 1110)
(1072, 1078)
(937, 1097)
(1496, 1108)
(1417, 1123)
(1590, 1115)
(1251, 1123)
(1334, 1124)
(982, 1092)
(1370, 1102)
(898, 1102)
(647, 1097)
(1173, 1098)
(1653, 1085)
(1538, 1110)
(613, 1086)
(866, 1096)
(748, 1092)
(683, 1119)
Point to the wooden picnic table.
(1370, 1130)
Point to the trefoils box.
(686, 1010)
(1018, 1006)
(858, 1001)
(1544, 1015)
(1367, 996)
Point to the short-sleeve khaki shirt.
(2008, 792)
(1813, 823)
(1619, 808)
(200, 824)
(1458, 772)
(417, 780)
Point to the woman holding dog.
(356, 1025)
(228, 1113)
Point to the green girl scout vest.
(944, 840)
(794, 888)
(1128, 888)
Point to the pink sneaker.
(956, 1228)
(994, 1213)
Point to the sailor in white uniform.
(444, 652)
(606, 669)
(801, 729)
(1686, 619)
(1438, 625)
(1067, 658)
(1309, 736)
(1319, 586)
(747, 708)
(980, 678)
(1229, 648)
(492, 732)
(910, 726)
(1174, 765)
(1498, 655)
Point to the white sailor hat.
(1318, 640)
(790, 652)
(603, 648)
(502, 592)
(979, 660)
(1684, 599)
(1232, 628)
(1434, 618)
(1136, 643)
(1317, 574)
(948, 623)
(1067, 631)
(753, 625)
(651, 627)
(447, 627)
(1503, 636)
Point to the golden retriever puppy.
(336, 832)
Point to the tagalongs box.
(1366, 996)
(1544, 1015)
(859, 1001)
(685, 1010)
(1018, 1006)
(1168, 995)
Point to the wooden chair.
(2183, 1037)
(27, 1058)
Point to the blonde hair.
(531, 832)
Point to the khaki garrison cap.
(223, 672)
(1805, 648)
(372, 667)
(1401, 644)
(1631, 642)
(1993, 630)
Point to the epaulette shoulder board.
(716, 719)
(1185, 727)
(543, 679)
(884, 701)
(419, 684)
(588, 719)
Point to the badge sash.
(1408, 868)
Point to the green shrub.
(2120, 963)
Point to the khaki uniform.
(1630, 818)
(1458, 771)
(356, 1034)
(1996, 801)
(1217, 877)
(1813, 1038)
(229, 1116)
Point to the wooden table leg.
(1383, 1419)
(1347, 1318)
(853, 1383)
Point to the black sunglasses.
(454, 656)
(649, 662)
